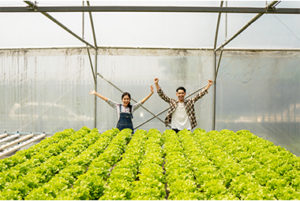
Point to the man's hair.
(180, 88)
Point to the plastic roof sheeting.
(161, 30)
(168, 30)
(27, 30)
(270, 32)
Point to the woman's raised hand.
(151, 88)
(93, 92)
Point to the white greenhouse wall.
(46, 90)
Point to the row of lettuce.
(149, 165)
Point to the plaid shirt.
(188, 103)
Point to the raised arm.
(156, 84)
(147, 97)
(203, 92)
(160, 91)
(210, 82)
(99, 95)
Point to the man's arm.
(160, 92)
(203, 92)
(210, 82)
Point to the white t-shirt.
(180, 119)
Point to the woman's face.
(126, 100)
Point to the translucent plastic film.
(44, 90)
(260, 91)
(47, 90)
(134, 71)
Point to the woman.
(125, 109)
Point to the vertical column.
(96, 87)
(215, 90)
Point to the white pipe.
(3, 135)
(22, 145)
(16, 141)
(9, 138)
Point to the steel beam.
(92, 25)
(96, 87)
(215, 91)
(91, 64)
(270, 6)
(33, 6)
(116, 87)
(219, 62)
(215, 69)
(156, 116)
(193, 9)
(218, 25)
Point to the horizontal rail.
(203, 9)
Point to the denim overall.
(125, 120)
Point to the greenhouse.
(59, 141)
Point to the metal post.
(215, 90)
(219, 62)
(215, 69)
(216, 66)
(271, 5)
(92, 25)
(96, 70)
(82, 21)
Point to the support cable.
(155, 116)
(112, 84)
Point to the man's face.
(180, 94)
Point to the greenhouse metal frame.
(217, 50)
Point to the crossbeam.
(190, 9)
(34, 7)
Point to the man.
(181, 114)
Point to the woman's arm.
(147, 97)
(99, 95)
(109, 102)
